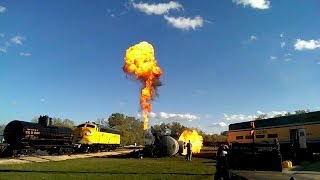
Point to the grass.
(113, 168)
(309, 167)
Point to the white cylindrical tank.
(168, 145)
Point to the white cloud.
(25, 54)
(288, 59)
(158, 9)
(220, 124)
(115, 14)
(281, 35)
(238, 117)
(2, 35)
(310, 45)
(258, 4)
(242, 117)
(318, 62)
(173, 116)
(2, 9)
(3, 49)
(282, 44)
(273, 57)
(287, 54)
(185, 23)
(273, 113)
(152, 115)
(42, 100)
(17, 40)
(252, 38)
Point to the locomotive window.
(90, 126)
(260, 136)
(249, 137)
(272, 135)
(81, 125)
(239, 137)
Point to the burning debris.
(195, 139)
(141, 63)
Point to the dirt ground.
(45, 158)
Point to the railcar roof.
(278, 121)
(102, 128)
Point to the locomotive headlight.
(88, 133)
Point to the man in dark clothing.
(189, 151)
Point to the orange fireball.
(141, 63)
(195, 139)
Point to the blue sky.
(222, 61)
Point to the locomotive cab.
(83, 133)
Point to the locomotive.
(25, 138)
(94, 137)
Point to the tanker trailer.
(160, 146)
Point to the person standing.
(184, 151)
(189, 151)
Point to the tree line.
(265, 116)
(131, 128)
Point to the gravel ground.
(46, 158)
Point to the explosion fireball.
(141, 63)
(195, 139)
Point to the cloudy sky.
(223, 61)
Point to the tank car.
(160, 146)
(26, 137)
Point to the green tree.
(262, 116)
(131, 129)
(58, 122)
(288, 114)
(116, 119)
(175, 127)
(301, 111)
(2, 126)
(278, 115)
(224, 133)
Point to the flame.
(195, 139)
(141, 63)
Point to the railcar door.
(298, 138)
(294, 138)
(302, 138)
